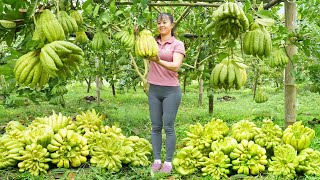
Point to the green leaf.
(317, 55)
(260, 6)
(10, 37)
(31, 9)
(10, 60)
(11, 15)
(231, 43)
(135, 2)
(265, 21)
(119, 12)
(141, 20)
(112, 6)
(250, 18)
(1, 7)
(144, 3)
(247, 6)
(86, 5)
(6, 70)
(148, 16)
(96, 11)
(32, 44)
(305, 48)
(264, 14)
(105, 17)
(222, 56)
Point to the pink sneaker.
(166, 168)
(155, 167)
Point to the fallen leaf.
(71, 176)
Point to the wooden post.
(211, 102)
(290, 87)
(256, 79)
(98, 81)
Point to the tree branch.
(205, 59)
(146, 67)
(197, 56)
(271, 4)
(116, 28)
(185, 64)
(137, 68)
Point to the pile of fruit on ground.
(63, 142)
(218, 151)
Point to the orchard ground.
(129, 111)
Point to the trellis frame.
(207, 3)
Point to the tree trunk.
(98, 82)
(184, 83)
(289, 82)
(254, 87)
(89, 84)
(200, 91)
(113, 89)
(255, 83)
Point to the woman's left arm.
(172, 66)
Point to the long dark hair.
(164, 16)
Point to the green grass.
(130, 111)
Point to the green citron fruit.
(7, 24)
(261, 97)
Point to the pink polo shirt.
(159, 75)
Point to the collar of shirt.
(169, 41)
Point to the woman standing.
(164, 95)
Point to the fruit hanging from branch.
(100, 40)
(77, 16)
(82, 37)
(68, 24)
(257, 41)
(261, 97)
(231, 72)
(49, 26)
(54, 59)
(278, 59)
(229, 20)
(126, 38)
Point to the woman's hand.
(154, 58)
(172, 66)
